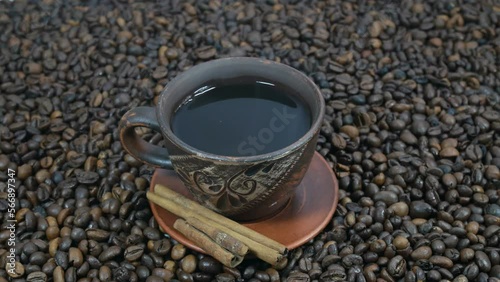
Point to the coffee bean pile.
(411, 128)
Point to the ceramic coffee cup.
(242, 188)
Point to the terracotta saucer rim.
(168, 230)
(325, 222)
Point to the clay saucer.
(305, 215)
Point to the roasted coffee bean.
(133, 253)
(75, 257)
(483, 261)
(441, 261)
(37, 276)
(224, 277)
(70, 274)
(104, 273)
(110, 253)
(209, 265)
(143, 272)
(38, 258)
(165, 274)
(62, 259)
(420, 209)
(58, 274)
(162, 247)
(123, 274)
(178, 251)
(397, 266)
(188, 264)
(97, 234)
(336, 274)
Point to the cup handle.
(134, 145)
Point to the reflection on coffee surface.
(241, 120)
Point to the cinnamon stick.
(224, 256)
(263, 252)
(215, 217)
(221, 238)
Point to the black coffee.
(241, 120)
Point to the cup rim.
(166, 129)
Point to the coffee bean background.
(411, 129)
